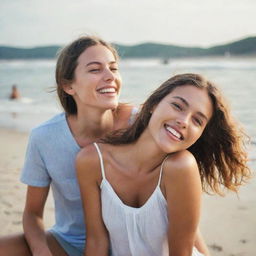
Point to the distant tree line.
(245, 46)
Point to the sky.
(204, 23)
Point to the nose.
(109, 75)
(182, 121)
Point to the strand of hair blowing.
(221, 153)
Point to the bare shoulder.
(125, 107)
(181, 160)
(86, 154)
(181, 164)
(87, 162)
(124, 114)
(181, 177)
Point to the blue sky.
(182, 22)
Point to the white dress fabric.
(135, 231)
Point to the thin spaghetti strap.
(161, 171)
(101, 160)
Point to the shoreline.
(198, 57)
(228, 223)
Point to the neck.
(145, 154)
(89, 126)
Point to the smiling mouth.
(172, 131)
(107, 90)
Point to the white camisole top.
(135, 231)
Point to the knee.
(14, 245)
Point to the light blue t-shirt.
(50, 160)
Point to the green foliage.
(152, 50)
(47, 52)
(245, 46)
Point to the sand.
(227, 223)
(12, 191)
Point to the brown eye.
(114, 69)
(198, 121)
(94, 70)
(177, 106)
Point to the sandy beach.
(227, 223)
(12, 191)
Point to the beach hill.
(244, 47)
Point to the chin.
(170, 147)
(114, 104)
(111, 105)
(169, 150)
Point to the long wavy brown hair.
(220, 151)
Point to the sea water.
(35, 81)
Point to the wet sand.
(228, 223)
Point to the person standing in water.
(15, 94)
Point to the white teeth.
(172, 131)
(106, 90)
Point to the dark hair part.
(67, 63)
(220, 152)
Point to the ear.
(68, 88)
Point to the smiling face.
(180, 118)
(97, 80)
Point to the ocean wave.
(20, 64)
(29, 106)
(208, 63)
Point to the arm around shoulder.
(89, 179)
(183, 193)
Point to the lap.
(69, 248)
(16, 244)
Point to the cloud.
(194, 22)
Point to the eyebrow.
(98, 63)
(187, 105)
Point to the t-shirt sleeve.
(34, 172)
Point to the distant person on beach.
(141, 186)
(15, 94)
(88, 86)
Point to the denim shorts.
(68, 248)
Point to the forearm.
(200, 244)
(35, 234)
(97, 247)
(181, 241)
(180, 248)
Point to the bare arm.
(89, 178)
(200, 244)
(33, 220)
(183, 193)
